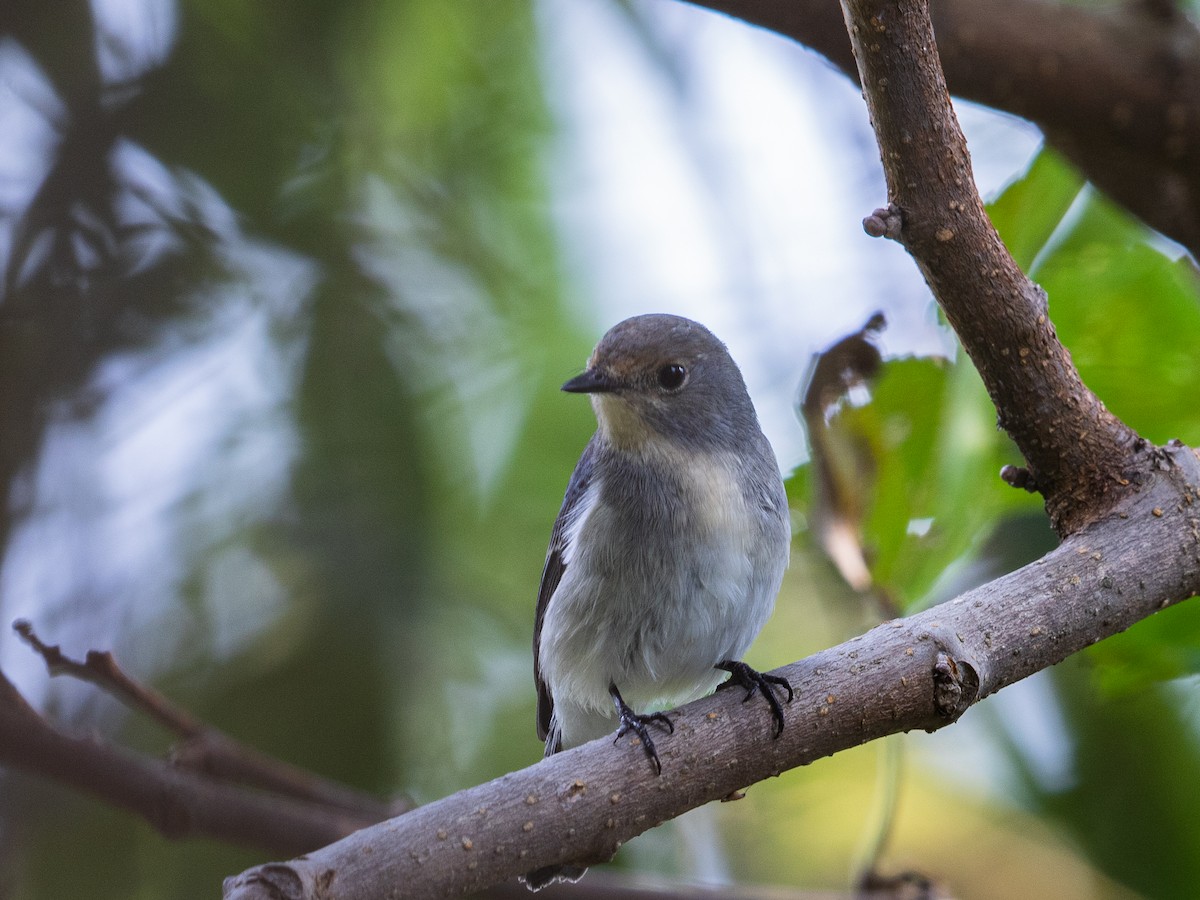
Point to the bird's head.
(656, 378)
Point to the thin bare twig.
(176, 802)
(206, 749)
(101, 669)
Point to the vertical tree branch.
(1080, 455)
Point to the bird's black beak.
(590, 382)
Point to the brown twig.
(204, 748)
(178, 803)
(101, 669)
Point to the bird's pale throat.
(622, 425)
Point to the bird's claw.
(757, 682)
(631, 721)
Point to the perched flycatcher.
(669, 549)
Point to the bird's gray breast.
(672, 565)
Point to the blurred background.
(288, 292)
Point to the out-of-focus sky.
(734, 193)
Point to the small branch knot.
(273, 881)
(885, 222)
(955, 686)
(1019, 477)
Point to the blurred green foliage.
(401, 151)
(930, 494)
(1128, 307)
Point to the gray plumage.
(672, 539)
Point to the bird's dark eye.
(671, 377)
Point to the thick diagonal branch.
(922, 672)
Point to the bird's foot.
(631, 721)
(754, 681)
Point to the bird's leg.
(631, 721)
(754, 681)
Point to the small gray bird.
(669, 549)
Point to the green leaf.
(1130, 316)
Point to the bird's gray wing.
(552, 573)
